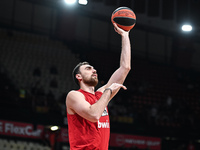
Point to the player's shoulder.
(74, 97)
(73, 91)
(74, 94)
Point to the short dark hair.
(77, 70)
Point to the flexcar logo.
(20, 129)
(28, 130)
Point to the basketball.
(124, 17)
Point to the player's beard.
(91, 81)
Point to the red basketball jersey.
(86, 135)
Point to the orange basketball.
(124, 17)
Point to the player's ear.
(78, 76)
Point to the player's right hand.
(116, 86)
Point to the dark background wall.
(158, 24)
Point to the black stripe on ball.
(125, 21)
(121, 8)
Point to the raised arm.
(121, 73)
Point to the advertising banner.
(63, 135)
(27, 130)
(141, 142)
(19, 129)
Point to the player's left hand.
(119, 30)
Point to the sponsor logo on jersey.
(105, 112)
(103, 124)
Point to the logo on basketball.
(126, 13)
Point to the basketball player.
(88, 120)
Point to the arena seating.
(21, 145)
(32, 61)
(151, 84)
(23, 52)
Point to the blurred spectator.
(22, 93)
(34, 87)
(153, 114)
(169, 101)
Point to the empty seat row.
(21, 145)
